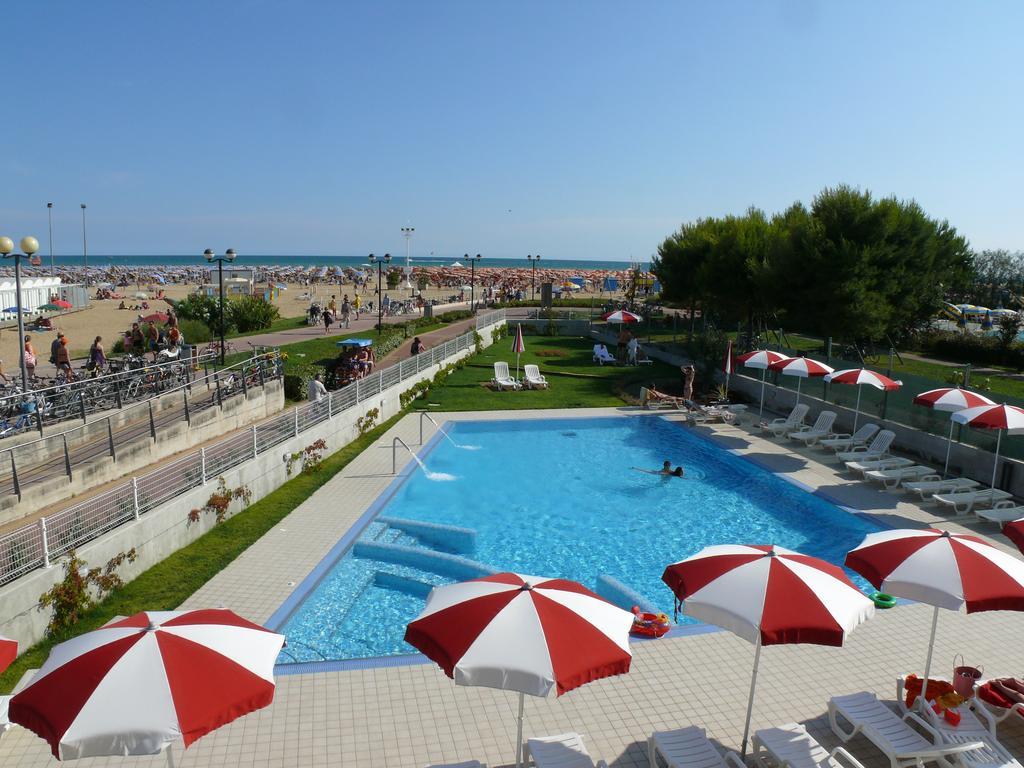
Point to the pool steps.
(443, 563)
(451, 538)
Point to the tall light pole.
(211, 257)
(30, 246)
(472, 282)
(85, 246)
(49, 217)
(407, 234)
(533, 274)
(380, 296)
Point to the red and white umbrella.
(768, 595)
(763, 359)
(950, 399)
(621, 316)
(518, 345)
(522, 633)
(802, 368)
(136, 685)
(8, 652)
(942, 569)
(859, 376)
(1014, 531)
(1005, 418)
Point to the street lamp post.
(85, 246)
(533, 274)
(49, 217)
(229, 256)
(30, 246)
(380, 295)
(472, 282)
(407, 233)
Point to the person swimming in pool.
(665, 471)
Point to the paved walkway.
(414, 715)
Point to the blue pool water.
(555, 497)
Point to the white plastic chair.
(821, 429)
(892, 734)
(878, 449)
(533, 378)
(502, 378)
(845, 442)
(792, 423)
(893, 476)
(563, 751)
(929, 486)
(791, 746)
(688, 748)
(964, 502)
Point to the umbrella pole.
(856, 412)
(519, 734)
(928, 661)
(949, 446)
(763, 374)
(750, 701)
(995, 466)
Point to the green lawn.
(169, 583)
(575, 380)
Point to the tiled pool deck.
(414, 715)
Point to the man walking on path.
(346, 310)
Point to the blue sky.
(575, 129)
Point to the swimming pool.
(552, 497)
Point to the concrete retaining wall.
(210, 423)
(165, 529)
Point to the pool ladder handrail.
(427, 415)
(394, 447)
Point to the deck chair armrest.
(915, 718)
(736, 760)
(932, 478)
(939, 752)
(858, 449)
(1002, 714)
(842, 436)
(844, 753)
(986, 717)
(1003, 504)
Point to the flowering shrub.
(80, 589)
(220, 500)
(311, 457)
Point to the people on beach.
(97, 357)
(317, 390)
(30, 358)
(63, 357)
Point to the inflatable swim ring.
(882, 600)
(649, 624)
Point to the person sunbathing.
(653, 395)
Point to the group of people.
(152, 338)
(627, 350)
(332, 313)
(352, 364)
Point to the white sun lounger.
(888, 462)
(844, 441)
(792, 423)
(502, 379)
(533, 378)
(892, 477)
(926, 487)
(904, 746)
(964, 502)
(563, 751)
(971, 730)
(688, 748)
(1002, 512)
(821, 429)
(5, 721)
(791, 746)
(879, 448)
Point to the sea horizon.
(103, 261)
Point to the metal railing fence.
(60, 453)
(38, 544)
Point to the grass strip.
(166, 585)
